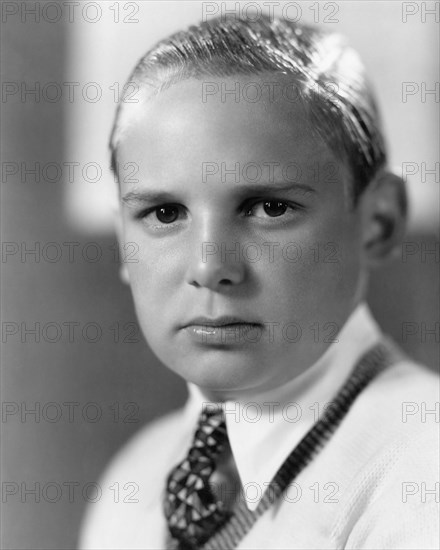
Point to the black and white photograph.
(220, 252)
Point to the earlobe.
(384, 212)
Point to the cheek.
(156, 260)
(154, 280)
(318, 269)
(155, 276)
(335, 263)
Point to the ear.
(384, 213)
(123, 271)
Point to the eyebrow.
(139, 198)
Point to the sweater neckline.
(241, 519)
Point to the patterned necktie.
(191, 508)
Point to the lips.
(223, 321)
(223, 331)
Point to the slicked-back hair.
(327, 72)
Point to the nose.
(216, 264)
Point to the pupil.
(274, 208)
(167, 214)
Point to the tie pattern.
(191, 508)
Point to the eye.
(272, 208)
(157, 217)
(167, 213)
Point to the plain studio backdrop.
(77, 377)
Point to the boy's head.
(260, 201)
(323, 73)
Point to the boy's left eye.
(272, 208)
(167, 213)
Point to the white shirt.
(374, 485)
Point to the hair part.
(328, 73)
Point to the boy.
(262, 202)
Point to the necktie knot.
(192, 511)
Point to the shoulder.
(151, 446)
(158, 439)
(132, 485)
(403, 400)
(393, 495)
(398, 415)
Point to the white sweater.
(374, 485)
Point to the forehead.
(244, 119)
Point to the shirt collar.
(264, 431)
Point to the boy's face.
(255, 225)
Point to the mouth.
(220, 331)
(219, 322)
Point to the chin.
(218, 375)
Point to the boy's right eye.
(168, 213)
(165, 214)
